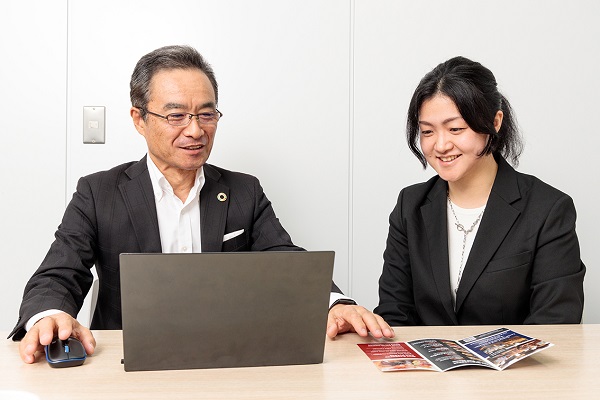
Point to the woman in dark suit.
(479, 243)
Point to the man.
(169, 201)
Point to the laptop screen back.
(214, 310)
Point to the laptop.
(218, 310)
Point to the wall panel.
(33, 47)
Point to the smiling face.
(178, 150)
(450, 146)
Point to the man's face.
(176, 149)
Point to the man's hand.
(351, 318)
(43, 331)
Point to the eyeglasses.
(183, 119)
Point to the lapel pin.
(221, 196)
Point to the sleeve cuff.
(39, 316)
(338, 298)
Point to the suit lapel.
(435, 215)
(139, 200)
(498, 218)
(214, 202)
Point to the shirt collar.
(160, 185)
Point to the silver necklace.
(460, 227)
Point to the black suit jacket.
(114, 212)
(524, 266)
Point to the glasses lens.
(208, 118)
(178, 119)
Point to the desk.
(568, 370)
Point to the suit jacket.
(114, 212)
(524, 266)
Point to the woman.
(479, 243)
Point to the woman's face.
(450, 146)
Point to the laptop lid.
(214, 310)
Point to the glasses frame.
(189, 119)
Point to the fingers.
(351, 318)
(40, 334)
(28, 346)
(86, 338)
(69, 326)
(376, 325)
(332, 325)
(344, 318)
(43, 331)
(357, 317)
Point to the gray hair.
(164, 58)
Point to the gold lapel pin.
(221, 196)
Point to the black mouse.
(65, 353)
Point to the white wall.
(33, 75)
(314, 95)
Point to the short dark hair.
(164, 58)
(473, 88)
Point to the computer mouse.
(65, 353)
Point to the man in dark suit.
(169, 201)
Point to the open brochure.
(494, 349)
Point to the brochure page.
(495, 349)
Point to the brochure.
(495, 349)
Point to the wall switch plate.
(93, 124)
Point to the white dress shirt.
(178, 222)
